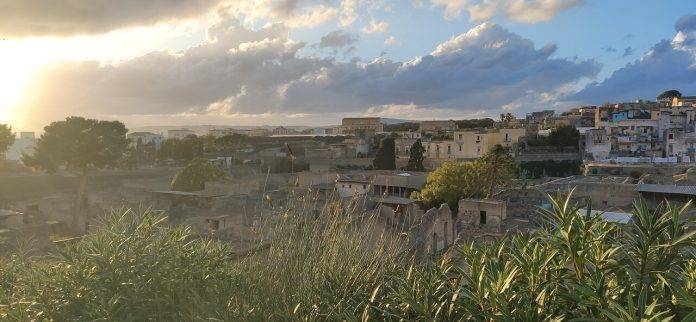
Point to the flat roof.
(611, 216)
(414, 181)
(664, 188)
(350, 179)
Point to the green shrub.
(331, 265)
(133, 268)
(195, 175)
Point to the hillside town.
(609, 156)
(347, 160)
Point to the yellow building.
(683, 101)
(477, 143)
(472, 144)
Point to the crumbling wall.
(435, 232)
(488, 214)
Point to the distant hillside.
(389, 121)
(204, 129)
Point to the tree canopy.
(564, 135)
(185, 149)
(475, 123)
(402, 127)
(79, 144)
(670, 94)
(385, 159)
(7, 138)
(474, 179)
(416, 157)
(195, 175)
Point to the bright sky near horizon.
(312, 62)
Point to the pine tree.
(416, 157)
(386, 155)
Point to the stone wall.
(478, 213)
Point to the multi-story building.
(359, 125)
(597, 144)
(283, 131)
(540, 117)
(642, 129)
(146, 138)
(403, 146)
(472, 144)
(683, 101)
(407, 134)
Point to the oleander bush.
(331, 265)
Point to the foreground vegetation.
(330, 266)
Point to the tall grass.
(340, 264)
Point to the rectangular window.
(449, 149)
(482, 217)
(460, 136)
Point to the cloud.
(524, 11)
(70, 17)
(312, 17)
(609, 49)
(348, 13)
(239, 71)
(686, 23)
(414, 112)
(668, 64)
(292, 13)
(376, 27)
(628, 51)
(391, 41)
(337, 39)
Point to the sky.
(312, 62)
